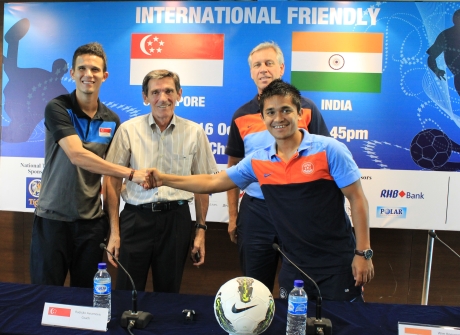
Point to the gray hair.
(267, 45)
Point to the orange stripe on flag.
(177, 46)
(56, 311)
(417, 331)
(337, 42)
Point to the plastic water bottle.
(102, 288)
(297, 310)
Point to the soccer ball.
(244, 305)
(431, 149)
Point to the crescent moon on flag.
(52, 311)
(142, 44)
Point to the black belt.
(162, 206)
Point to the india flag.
(337, 62)
(198, 59)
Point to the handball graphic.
(431, 149)
(244, 305)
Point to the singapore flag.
(198, 59)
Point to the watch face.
(368, 254)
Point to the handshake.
(199, 183)
(147, 178)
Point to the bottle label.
(102, 288)
(297, 308)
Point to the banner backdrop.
(385, 76)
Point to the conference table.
(21, 309)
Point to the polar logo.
(398, 212)
(308, 168)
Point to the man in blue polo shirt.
(304, 179)
(250, 225)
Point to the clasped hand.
(152, 179)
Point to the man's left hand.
(198, 246)
(114, 247)
(363, 270)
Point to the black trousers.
(256, 235)
(339, 287)
(157, 240)
(60, 246)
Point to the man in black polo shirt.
(69, 223)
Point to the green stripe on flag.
(337, 82)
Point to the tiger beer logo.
(34, 187)
(245, 289)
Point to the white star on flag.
(197, 58)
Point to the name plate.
(420, 329)
(69, 316)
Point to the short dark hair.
(279, 87)
(160, 74)
(92, 48)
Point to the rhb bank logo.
(401, 194)
(384, 212)
(33, 186)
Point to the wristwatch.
(367, 254)
(201, 226)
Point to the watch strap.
(201, 226)
(359, 252)
(367, 253)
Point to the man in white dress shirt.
(154, 229)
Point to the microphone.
(138, 318)
(315, 325)
(433, 235)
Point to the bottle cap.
(102, 266)
(298, 283)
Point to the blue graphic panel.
(411, 124)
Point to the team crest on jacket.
(308, 168)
